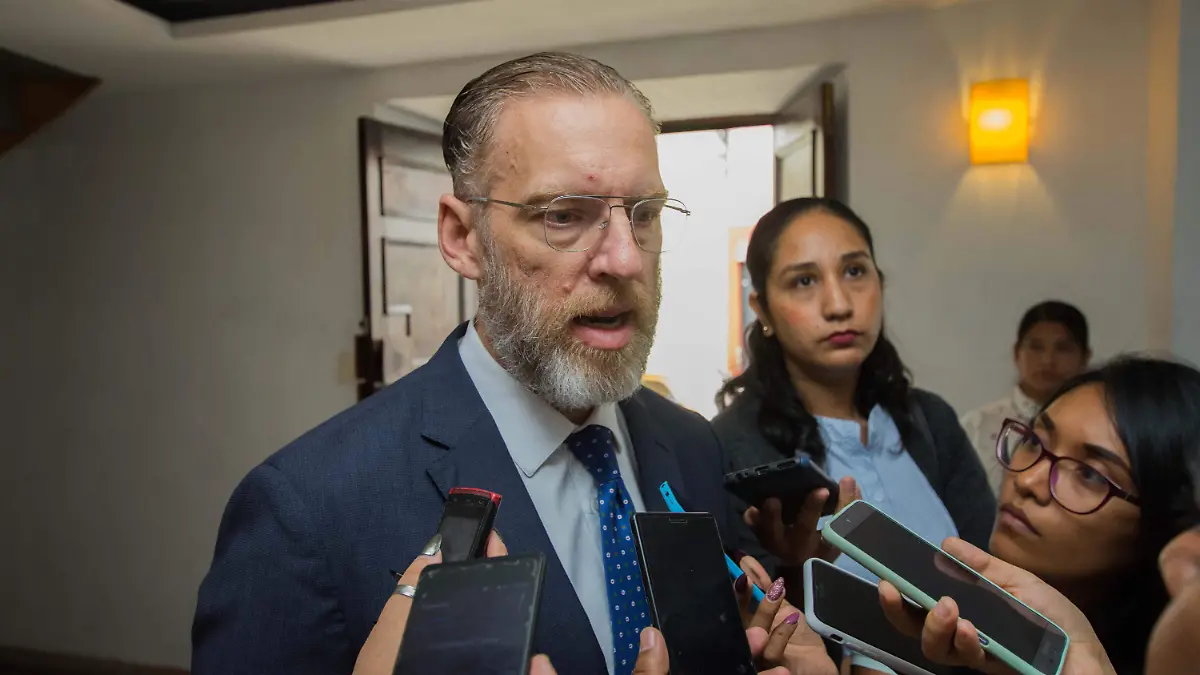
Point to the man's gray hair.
(467, 131)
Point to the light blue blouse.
(887, 475)
(889, 479)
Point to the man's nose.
(617, 253)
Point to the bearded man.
(559, 214)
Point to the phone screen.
(999, 616)
(473, 617)
(850, 606)
(690, 593)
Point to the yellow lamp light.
(1000, 122)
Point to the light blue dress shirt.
(889, 479)
(562, 490)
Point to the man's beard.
(531, 336)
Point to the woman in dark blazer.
(823, 379)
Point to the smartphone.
(476, 616)
(674, 506)
(1008, 629)
(788, 480)
(690, 596)
(844, 608)
(466, 523)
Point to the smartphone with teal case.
(1008, 629)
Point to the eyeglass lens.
(1074, 484)
(577, 223)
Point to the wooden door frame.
(372, 154)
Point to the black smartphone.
(690, 595)
(788, 480)
(1008, 629)
(476, 616)
(844, 608)
(466, 523)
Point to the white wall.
(179, 276)
(1186, 329)
(181, 273)
(725, 187)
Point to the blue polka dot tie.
(596, 447)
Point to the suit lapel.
(455, 418)
(657, 461)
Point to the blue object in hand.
(734, 571)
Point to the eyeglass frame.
(1114, 490)
(603, 224)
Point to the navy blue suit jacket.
(301, 569)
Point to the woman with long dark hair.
(1051, 348)
(823, 379)
(1096, 486)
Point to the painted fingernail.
(793, 619)
(776, 591)
(737, 557)
(395, 575)
(741, 584)
(433, 546)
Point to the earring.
(767, 330)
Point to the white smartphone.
(1010, 630)
(844, 608)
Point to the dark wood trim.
(40, 102)
(17, 661)
(368, 355)
(711, 123)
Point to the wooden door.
(808, 146)
(411, 299)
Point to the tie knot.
(596, 447)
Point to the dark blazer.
(300, 572)
(939, 447)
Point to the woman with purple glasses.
(1096, 486)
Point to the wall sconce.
(1000, 122)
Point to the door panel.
(809, 146)
(411, 299)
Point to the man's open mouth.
(614, 320)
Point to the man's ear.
(458, 239)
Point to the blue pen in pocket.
(734, 571)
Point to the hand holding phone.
(956, 643)
(476, 616)
(1014, 633)
(789, 480)
(845, 609)
(466, 523)
(796, 543)
(689, 595)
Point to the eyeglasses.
(574, 223)
(1076, 486)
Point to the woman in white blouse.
(1052, 347)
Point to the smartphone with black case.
(1010, 630)
(466, 523)
(689, 593)
(844, 608)
(788, 480)
(475, 617)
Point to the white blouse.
(983, 428)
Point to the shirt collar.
(882, 433)
(1026, 407)
(532, 429)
